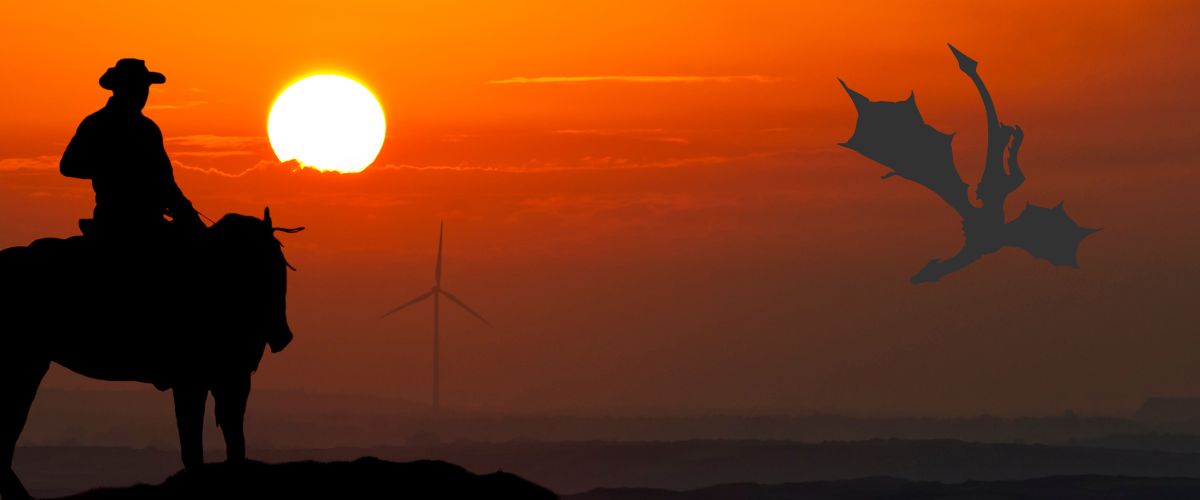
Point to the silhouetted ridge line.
(365, 478)
(886, 488)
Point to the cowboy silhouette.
(121, 151)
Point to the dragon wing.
(1048, 233)
(894, 135)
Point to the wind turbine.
(436, 292)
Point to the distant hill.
(1169, 410)
(1151, 441)
(363, 479)
(143, 417)
(575, 467)
(1050, 488)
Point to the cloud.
(261, 166)
(212, 146)
(585, 163)
(209, 171)
(35, 163)
(636, 79)
(212, 154)
(645, 134)
(610, 131)
(215, 141)
(457, 137)
(185, 105)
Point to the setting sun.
(328, 122)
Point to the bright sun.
(328, 122)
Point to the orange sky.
(670, 244)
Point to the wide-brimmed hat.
(129, 72)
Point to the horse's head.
(279, 335)
(251, 253)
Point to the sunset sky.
(648, 199)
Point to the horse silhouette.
(136, 311)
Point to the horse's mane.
(233, 230)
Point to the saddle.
(152, 235)
(156, 265)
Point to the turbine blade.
(419, 298)
(437, 273)
(464, 306)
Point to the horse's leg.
(18, 386)
(231, 395)
(189, 418)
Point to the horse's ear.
(267, 216)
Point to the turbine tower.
(436, 292)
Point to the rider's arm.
(79, 157)
(175, 202)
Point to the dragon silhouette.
(894, 135)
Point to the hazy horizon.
(381, 403)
